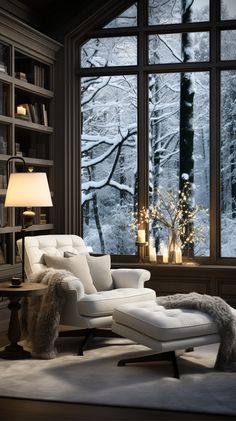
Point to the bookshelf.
(27, 73)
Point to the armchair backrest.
(55, 245)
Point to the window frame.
(142, 70)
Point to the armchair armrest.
(74, 291)
(74, 285)
(130, 278)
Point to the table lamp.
(27, 190)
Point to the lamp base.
(14, 352)
(28, 217)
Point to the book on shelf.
(39, 113)
(40, 217)
(21, 76)
(3, 145)
(3, 68)
(2, 256)
(39, 75)
(3, 218)
(3, 98)
(3, 181)
(33, 114)
(45, 115)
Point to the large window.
(157, 104)
(109, 162)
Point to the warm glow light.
(165, 255)
(178, 255)
(28, 190)
(20, 110)
(141, 236)
(152, 254)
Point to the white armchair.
(92, 311)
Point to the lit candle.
(152, 254)
(141, 236)
(21, 110)
(178, 255)
(165, 255)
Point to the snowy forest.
(178, 115)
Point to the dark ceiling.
(56, 18)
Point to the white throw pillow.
(77, 264)
(100, 269)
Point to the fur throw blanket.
(222, 315)
(40, 316)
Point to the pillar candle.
(165, 255)
(141, 236)
(152, 254)
(21, 110)
(178, 255)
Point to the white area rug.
(95, 378)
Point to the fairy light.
(174, 212)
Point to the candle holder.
(141, 250)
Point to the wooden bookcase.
(27, 74)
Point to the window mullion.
(214, 137)
(142, 109)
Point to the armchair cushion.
(77, 265)
(100, 269)
(104, 302)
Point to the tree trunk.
(98, 224)
(233, 177)
(154, 158)
(186, 123)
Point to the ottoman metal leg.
(164, 356)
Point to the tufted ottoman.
(163, 330)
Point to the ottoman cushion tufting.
(165, 324)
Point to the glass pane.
(228, 42)
(179, 151)
(4, 58)
(177, 11)
(228, 9)
(109, 162)
(228, 164)
(178, 48)
(127, 18)
(113, 51)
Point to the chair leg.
(164, 356)
(87, 336)
(103, 333)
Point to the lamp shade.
(28, 189)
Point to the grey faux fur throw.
(41, 315)
(220, 312)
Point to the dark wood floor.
(32, 410)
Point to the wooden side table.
(14, 294)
